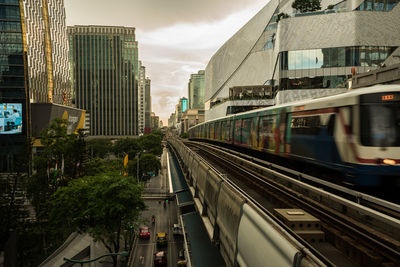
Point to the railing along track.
(387, 247)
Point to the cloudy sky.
(176, 37)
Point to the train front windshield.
(380, 124)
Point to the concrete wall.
(244, 233)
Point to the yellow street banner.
(126, 160)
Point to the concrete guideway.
(237, 225)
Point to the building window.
(313, 82)
(335, 57)
(377, 5)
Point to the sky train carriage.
(356, 133)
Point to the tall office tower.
(105, 76)
(147, 120)
(47, 51)
(196, 90)
(13, 88)
(34, 66)
(141, 97)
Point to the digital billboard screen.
(10, 118)
(184, 105)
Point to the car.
(176, 229)
(161, 239)
(144, 233)
(160, 258)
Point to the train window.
(380, 125)
(265, 132)
(306, 125)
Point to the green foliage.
(59, 146)
(127, 145)
(158, 132)
(102, 205)
(151, 143)
(99, 147)
(306, 5)
(147, 163)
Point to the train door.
(343, 134)
(230, 131)
(223, 131)
(246, 131)
(237, 131)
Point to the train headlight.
(389, 161)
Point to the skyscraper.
(141, 98)
(105, 76)
(34, 67)
(47, 50)
(147, 123)
(196, 90)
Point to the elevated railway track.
(364, 228)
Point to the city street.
(165, 219)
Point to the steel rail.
(354, 230)
(303, 246)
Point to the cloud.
(150, 14)
(176, 37)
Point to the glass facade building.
(104, 64)
(47, 52)
(141, 97)
(13, 131)
(147, 104)
(196, 90)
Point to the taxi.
(161, 239)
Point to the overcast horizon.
(176, 37)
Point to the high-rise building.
(34, 68)
(105, 69)
(196, 90)
(155, 121)
(141, 97)
(47, 51)
(147, 121)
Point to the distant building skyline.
(105, 70)
(148, 110)
(196, 90)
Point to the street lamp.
(122, 253)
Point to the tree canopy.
(306, 5)
(105, 206)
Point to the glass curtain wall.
(335, 57)
(12, 87)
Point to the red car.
(160, 258)
(144, 233)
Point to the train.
(355, 134)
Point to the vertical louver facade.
(104, 62)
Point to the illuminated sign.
(389, 97)
(184, 105)
(10, 118)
